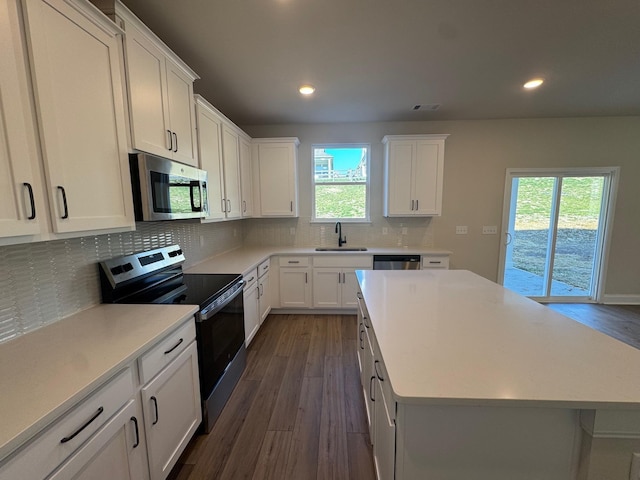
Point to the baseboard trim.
(621, 299)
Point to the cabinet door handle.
(64, 202)
(244, 206)
(361, 339)
(364, 321)
(359, 295)
(417, 207)
(306, 277)
(155, 404)
(344, 278)
(85, 425)
(174, 347)
(370, 388)
(261, 290)
(31, 201)
(228, 206)
(170, 147)
(224, 205)
(135, 424)
(375, 368)
(339, 278)
(412, 204)
(175, 135)
(291, 205)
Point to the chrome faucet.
(341, 241)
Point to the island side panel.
(487, 443)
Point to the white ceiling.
(373, 60)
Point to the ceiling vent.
(429, 107)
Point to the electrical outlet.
(489, 230)
(385, 231)
(404, 230)
(292, 230)
(462, 230)
(634, 473)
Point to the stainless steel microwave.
(167, 190)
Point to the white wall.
(477, 154)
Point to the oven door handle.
(206, 314)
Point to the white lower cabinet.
(115, 451)
(334, 280)
(295, 281)
(264, 296)
(172, 411)
(111, 434)
(379, 404)
(251, 306)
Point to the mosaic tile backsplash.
(43, 282)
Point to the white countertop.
(243, 259)
(45, 372)
(453, 337)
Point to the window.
(341, 182)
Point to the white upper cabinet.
(220, 148)
(231, 160)
(22, 209)
(414, 166)
(160, 87)
(246, 176)
(75, 64)
(210, 155)
(274, 162)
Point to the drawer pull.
(174, 347)
(251, 279)
(370, 388)
(155, 404)
(375, 367)
(65, 215)
(74, 434)
(294, 261)
(31, 201)
(433, 262)
(135, 424)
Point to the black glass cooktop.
(203, 288)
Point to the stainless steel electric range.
(156, 276)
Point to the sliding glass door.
(555, 232)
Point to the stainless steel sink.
(341, 249)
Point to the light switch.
(461, 230)
(489, 230)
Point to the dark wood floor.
(297, 412)
(618, 321)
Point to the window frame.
(367, 206)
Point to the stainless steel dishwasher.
(396, 262)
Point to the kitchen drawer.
(432, 261)
(263, 267)
(56, 443)
(381, 373)
(250, 278)
(346, 261)
(164, 352)
(294, 261)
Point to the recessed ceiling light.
(535, 83)
(307, 89)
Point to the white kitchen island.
(465, 379)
